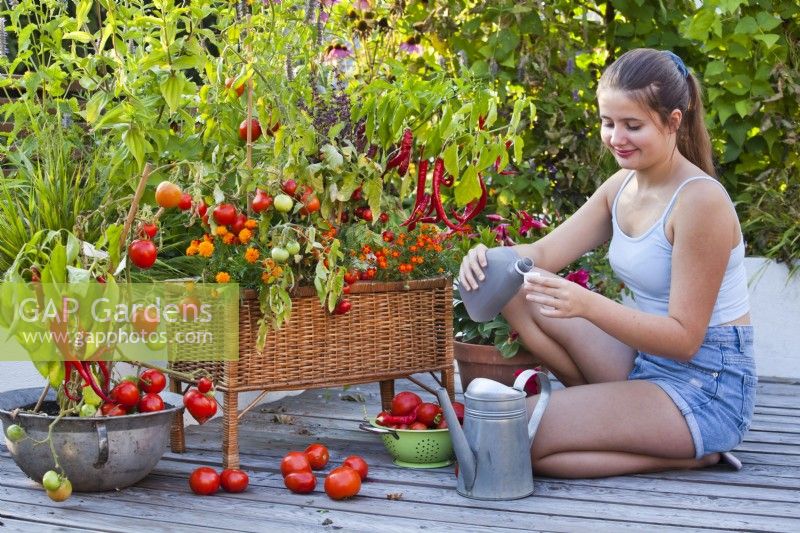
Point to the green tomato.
(15, 433)
(293, 247)
(88, 411)
(283, 203)
(51, 480)
(279, 255)
(158, 344)
(90, 397)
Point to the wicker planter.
(393, 330)
(483, 361)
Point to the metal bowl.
(97, 453)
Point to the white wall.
(775, 309)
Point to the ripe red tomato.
(125, 394)
(357, 463)
(317, 455)
(112, 409)
(357, 195)
(295, 462)
(204, 385)
(418, 426)
(366, 214)
(429, 414)
(255, 129)
(150, 230)
(200, 406)
(145, 320)
(300, 482)
(168, 195)
(442, 424)
(342, 482)
(202, 208)
(262, 201)
(152, 380)
(150, 403)
(289, 187)
(204, 481)
(458, 407)
(239, 88)
(351, 276)
(383, 217)
(311, 204)
(143, 253)
(186, 202)
(238, 224)
(342, 307)
(224, 214)
(404, 403)
(234, 480)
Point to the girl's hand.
(558, 297)
(471, 272)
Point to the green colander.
(427, 448)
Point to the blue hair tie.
(678, 63)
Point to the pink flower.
(527, 223)
(363, 5)
(337, 51)
(411, 46)
(328, 3)
(501, 234)
(494, 217)
(580, 276)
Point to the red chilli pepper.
(438, 175)
(386, 419)
(422, 199)
(403, 157)
(86, 373)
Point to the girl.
(671, 383)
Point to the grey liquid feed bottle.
(503, 276)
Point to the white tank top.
(644, 264)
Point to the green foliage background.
(746, 54)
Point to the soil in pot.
(482, 361)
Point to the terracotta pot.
(482, 361)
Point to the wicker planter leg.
(448, 376)
(387, 393)
(230, 430)
(177, 438)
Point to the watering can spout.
(464, 454)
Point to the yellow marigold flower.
(245, 235)
(229, 238)
(251, 255)
(251, 224)
(223, 277)
(222, 231)
(205, 249)
(208, 238)
(265, 277)
(191, 250)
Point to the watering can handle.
(544, 397)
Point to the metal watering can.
(494, 446)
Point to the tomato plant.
(204, 481)
(283, 203)
(318, 456)
(204, 385)
(62, 492)
(357, 463)
(255, 129)
(186, 202)
(229, 84)
(234, 480)
(150, 229)
(200, 406)
(343, 482)
(261, 202)
(51, 480)
(295, 462)
(15, 433)
(143, 253)
(224, 214)
(300, 482)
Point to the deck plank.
(764, 496)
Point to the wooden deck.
(764, 496)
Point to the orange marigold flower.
(251, 255)
(229, 238)
(208, 238)
(245, 235)
(191, 250)
(223, 277)
(265, 277)
(205, 248)
(222, 231)
(251, 224)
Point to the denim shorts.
(715, 391)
